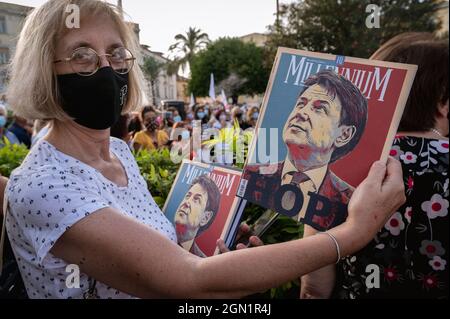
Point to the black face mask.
(95, 101)
(152, 125)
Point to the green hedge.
(159, 171)
(11, 156)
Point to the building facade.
(443, 16)
(12, 17)
(165, 86)
(258, 39)
(182, 89)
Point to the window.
(4, 55)
(3, 25)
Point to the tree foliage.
(229, 57)
(339, 26)
(232, 84)
(187, 45)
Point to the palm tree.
(152, 68)
(188, 45)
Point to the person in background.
(152, 137)
(181, 140)
(244, 108)
(4, 134)
(237, 115)
(411, 251)
(22, 130)
(189, 115)
(170, 119)
(176, 116)
(208, 109)
(220, 120)
(135, 124)
(120, 130)
(201, 115)
(178, 131)
(165, 120)
(252, 116)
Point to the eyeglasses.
(86, 62)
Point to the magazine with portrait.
(202, 205)
(324, 120)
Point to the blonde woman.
(79, 199)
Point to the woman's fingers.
(394, 173)
(243, 231)
(393, 183)
(376, 174)
(255, 241)
(222, 247)
(377, 197)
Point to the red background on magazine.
(354, 167)
(207, 240)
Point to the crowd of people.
(149, 128)
(79, 198)
(155, 127)
(14, 129)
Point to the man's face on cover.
(313, 125)
(190, 215)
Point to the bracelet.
(338, 249)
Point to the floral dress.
(409, 257)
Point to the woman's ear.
(347, 133)
(443, 110)
(441, 119)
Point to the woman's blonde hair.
(33, 89)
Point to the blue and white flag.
(212, 91)
(225, 100)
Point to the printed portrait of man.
(326, 123)
(196, 213)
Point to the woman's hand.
(243, 232)
(371, 205)
(376, 199)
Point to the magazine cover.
(324, 120)
(202, 204)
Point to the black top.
(412, 250)
(22, 135)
